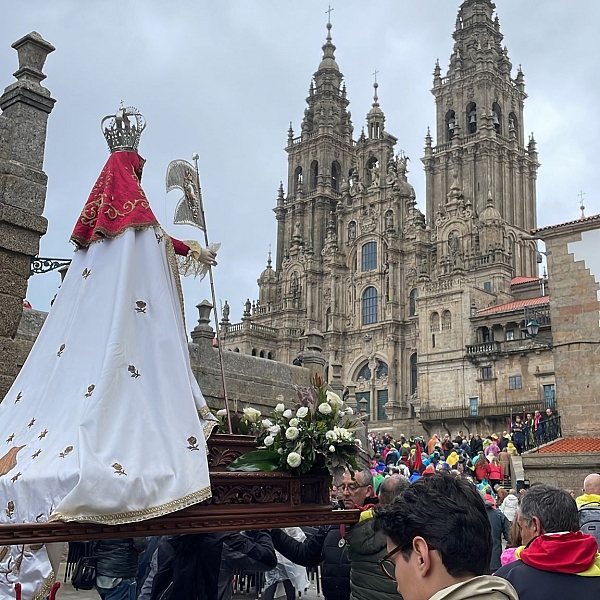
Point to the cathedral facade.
(401, 300)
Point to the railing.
(485, 348)
(548, 430)
(509, 346)
(262, 330)
(481, 411)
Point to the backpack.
(589, 519)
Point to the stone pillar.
(203, 334)
(25, 107)
(313, 358)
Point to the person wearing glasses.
(329, 545)
(439, 542)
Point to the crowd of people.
(442, 536)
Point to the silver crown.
(120, 132)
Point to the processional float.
(62, 465)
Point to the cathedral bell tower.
(318, 161)
(480, 133)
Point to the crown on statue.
(120, 132)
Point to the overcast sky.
(226, 78)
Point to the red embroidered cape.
(117, 202)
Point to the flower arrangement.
(318, 433)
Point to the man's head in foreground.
(546, 509)
(438, 535)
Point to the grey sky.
(226, 78)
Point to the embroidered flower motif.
(31, 423)
(43, 434)
(10, 438)
(36, 453)
(19, 396)
(118, 469)
(66, 451)
(61, 350)
(13, 479)
(193, 443)
(90, 390)
(140, 306)
(134, 372)
(86, 273)
(10, 509)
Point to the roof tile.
(573, 445)
(519, 280)
(516, 305)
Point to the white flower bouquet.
(319, 433)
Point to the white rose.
(294, 460)
(291, 433)
(302, 412)
(349, 411)
(294, 422)
(334, 400)
(280, 407)
(325, 409)
(222, 412)
(331, 448)
(267, 424)
(251, 415)
(274, 430)
(287, 413)
(280, 450)
(331, 435)
(269, 440)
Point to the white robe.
(103, 422)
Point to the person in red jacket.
(481, 466)
(495, 472)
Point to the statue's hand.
(208, 257)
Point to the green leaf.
(258, 460)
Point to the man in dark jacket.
(367, 546)
(325, 547)
(500, 529)
(558, 561)
(117, 566)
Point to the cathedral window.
(382, 369)
(262, 354)
(253, 351)
(487, 372)
(434, 321)
(364, 372)
(412, 303)
(472, 117)
(497, 118)
(336, 176)
(297, 180)
(450, 124)
(314, 174)
(270, 355)
(446, 320)
(515, 382)
(237, 350)
(369, 256)
(413, 374)
(369, 308)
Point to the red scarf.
(117, 201)
(572, 552)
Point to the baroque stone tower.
(480, 136)
(388, 293)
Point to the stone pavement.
(67, 592)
